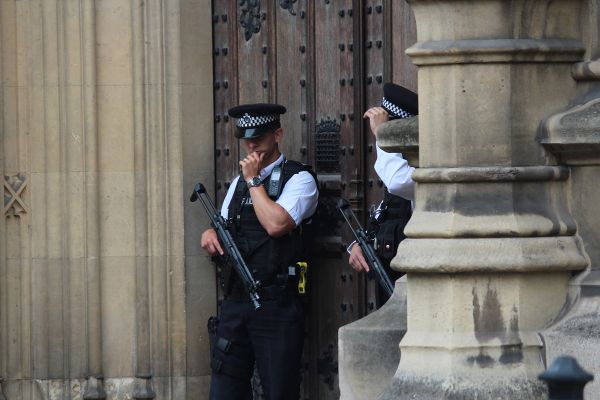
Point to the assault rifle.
(233, 253)
(362, 238)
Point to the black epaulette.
(291, 168)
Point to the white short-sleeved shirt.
(395, 174)
(299, 196)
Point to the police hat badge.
(254, 120)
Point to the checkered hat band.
(397, 111)
(248, 121)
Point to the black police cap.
(399, 102)
(255, 120)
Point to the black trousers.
(272, 336)
(382, 296)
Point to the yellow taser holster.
(303, 267)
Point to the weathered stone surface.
(368, 349)
(116, 388)
(577, 333)
(574, 135)
(460, 389)
(105, 130)
(492, 240)
(401, 136)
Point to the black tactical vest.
(389, 227)
(266, 257)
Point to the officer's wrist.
(350, 246)
(254, 182)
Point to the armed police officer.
(266, 205)
(392, 214)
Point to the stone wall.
(105, 125)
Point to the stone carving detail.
(250, 17)
(94, 389)
(143, 387)
(14, 186)
(288, 5)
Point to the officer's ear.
(278, 135)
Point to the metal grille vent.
(327, 146)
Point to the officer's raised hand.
(357, 260)
(376, 116)
(251, 165)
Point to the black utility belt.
(274, 292)
(292, 283)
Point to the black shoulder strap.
(292, 167)
(238, 195)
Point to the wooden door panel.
(327, 316)
(404, 35)
(326, 61)
(225, 95)
(373, 45)
(252, 64)
(291, 55)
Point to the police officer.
(393, 213)
(267, 205)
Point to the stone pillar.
(105, 123)
(573, 136)
(368, 348)
(492, 244)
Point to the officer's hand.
(357, 260)
(210, 242)
(251, 165)
(377, 116)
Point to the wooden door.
(326, 61)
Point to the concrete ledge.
(544, 254)
(496, 51)
(574, 135)
(490, 174)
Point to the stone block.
(369, 350)
(115, 128)
(198, 387)
(118, 316)
(401, 136)
(201, 303)
(117, 215)
(576, 333)
(114, 42)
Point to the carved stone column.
(492, 244)
(573, 136)
(104, 127)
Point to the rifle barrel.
(369, 252)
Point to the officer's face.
(267, 143)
